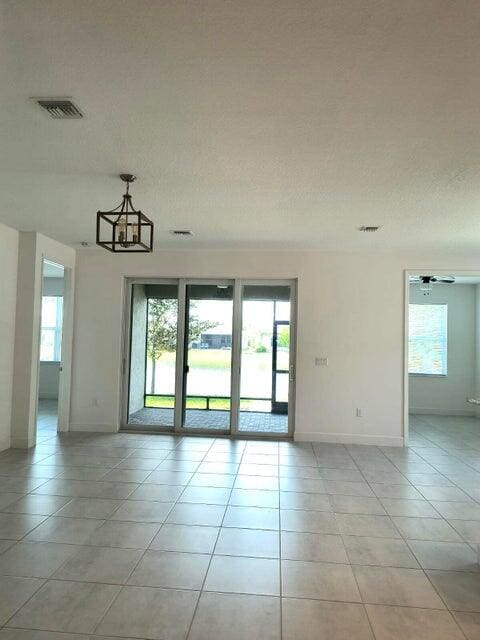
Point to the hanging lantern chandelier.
(124, 229)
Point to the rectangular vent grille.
(181, 232)
(368, 229)
(60, 109)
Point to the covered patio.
(250, 421)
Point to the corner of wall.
(9, 239)
(476, 408)
(5, 442)
(32, 249)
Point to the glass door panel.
(281, 393)
(153, 346)
(265, 359)
(208, 357)
(280, 366)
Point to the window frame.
(428, 375)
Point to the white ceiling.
(258, 123)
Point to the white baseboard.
(348, 438)
(442, 412)
(103, 428)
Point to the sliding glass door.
(153, 349)
(265, 359)
(210, 356)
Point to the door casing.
(64, 386)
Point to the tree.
(162, 329)
(283, 336)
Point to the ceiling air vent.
(368, 229)
(181, 232)
(59, 108)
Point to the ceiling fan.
(426, 282)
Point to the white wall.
(8, 294)
(446, 395)
(350, 308)
(33, 248)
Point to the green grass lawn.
(212, 365)
(193, 402)
(215, 358)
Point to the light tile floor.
(159, 537)
(47, 411)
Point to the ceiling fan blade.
(444, 279)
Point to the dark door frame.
(277, 407)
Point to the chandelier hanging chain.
(125, 206)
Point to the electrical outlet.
(321, 362)
(358, 413)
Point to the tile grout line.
(425, 574)
(201, 590)
(471, 545)
(421, 568)
(45, 580)
(280, 570)
(139, 560)
(370, 624)
(401, 535)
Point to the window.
(51, 329)
(427, 340)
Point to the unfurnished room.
(240, 320)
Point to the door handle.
(187, 368)
(291, 375)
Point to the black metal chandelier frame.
(124, 229)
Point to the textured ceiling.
(254, 123)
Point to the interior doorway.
(442, 355)
(212, 356)
(50, 354)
